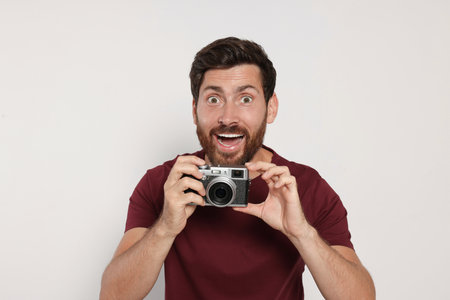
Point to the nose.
(229, 115)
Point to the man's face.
(231, 114)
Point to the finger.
(177, 200)
(259, 166)
(192, 198)
(185, 165)
(276, 172)
(270, 181)
(191, 159)
(188, 160)
(251, 209)
(286, 180)
(187, 183)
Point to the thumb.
(251, 209)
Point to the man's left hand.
(282, 209)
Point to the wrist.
(161, 230)
(304, 235)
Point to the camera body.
(225, 186)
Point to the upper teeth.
(230, 136)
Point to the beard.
(216, 157)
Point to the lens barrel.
(221, 191)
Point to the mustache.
(229, 129)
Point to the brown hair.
(229, 52)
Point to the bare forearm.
(336, 276)
(132, 274)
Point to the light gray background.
(93, 93)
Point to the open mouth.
(229, 140)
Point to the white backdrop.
(93, 93)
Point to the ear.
(272, 109)
(194, 111)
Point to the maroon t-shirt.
(224, 254)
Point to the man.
(256, 252)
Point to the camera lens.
(221, 191)
(220, 194)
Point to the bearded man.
(293, 216)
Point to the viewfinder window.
(237, 173)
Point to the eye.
(213, 100)
(246, 99)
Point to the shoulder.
(321, 204)
(300, 171)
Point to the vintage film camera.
(225, 186)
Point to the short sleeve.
(327, 214)
(146, 200)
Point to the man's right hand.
(134, 268)
(177, 204)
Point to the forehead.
(239, 75)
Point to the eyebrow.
(214, 88)
(239, 89)
(244, 87)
